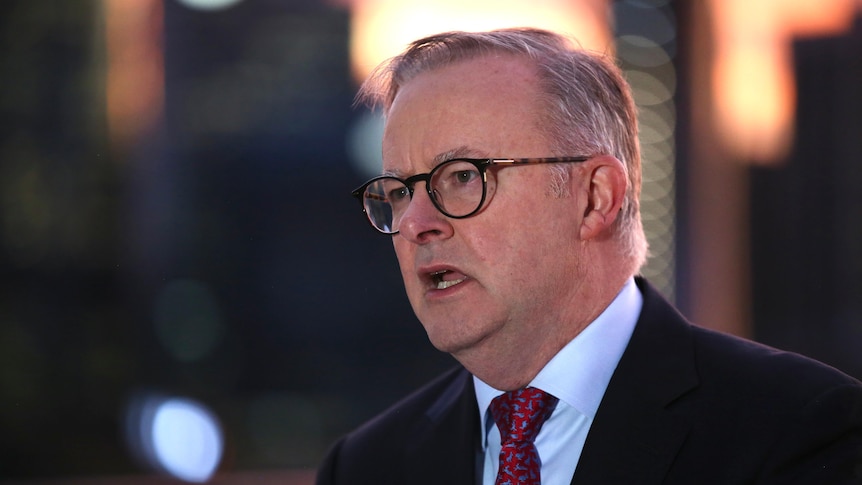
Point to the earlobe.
(606, 183)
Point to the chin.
(441, 342)
(449, 341)
(440, 337)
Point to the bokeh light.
(382, 28)
(176, 436)
(209, 5)
(754, 91)
(645, 34)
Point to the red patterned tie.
(519, 416)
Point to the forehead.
(481, 107)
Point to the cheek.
(504, 250)
(405, 254)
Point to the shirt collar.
(579, 374)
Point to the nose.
(421, 222)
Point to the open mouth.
(446, 279)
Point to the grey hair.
(589, 105)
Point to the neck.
(512, 362)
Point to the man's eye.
(400, 193)
(464, 176)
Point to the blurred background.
(188, 293)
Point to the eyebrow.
(461, 152)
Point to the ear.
(605, 182)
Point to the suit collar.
(635, 436)
(433, 457)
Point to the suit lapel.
(633, 439)
(447, 440)
(635, 435)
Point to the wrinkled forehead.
(484, 61)
(473, 109)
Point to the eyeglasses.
(457, 189)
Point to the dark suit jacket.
(685, 406)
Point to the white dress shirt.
(578, 376)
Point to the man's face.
(505, 277)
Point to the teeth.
(442, 285)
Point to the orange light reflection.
(382, 28)
(135, 70)
(754, 89)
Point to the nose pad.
(419, 202)
(422, 218)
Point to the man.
(510, 187)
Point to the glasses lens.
(385, 199)
(458, 188)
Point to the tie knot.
(520, 414)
